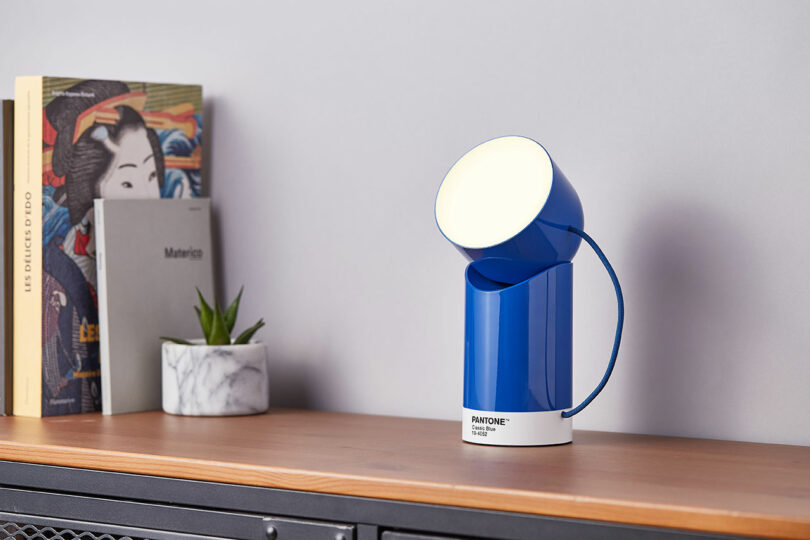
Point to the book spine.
(8, 256)
(5, 139)
(103, 308)
(27, 309)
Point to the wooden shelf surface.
(706, 485)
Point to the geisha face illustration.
(132, 172)
(102, 148)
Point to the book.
(150, 255)
(6, 170)
(77, 140)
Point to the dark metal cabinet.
(50, 502)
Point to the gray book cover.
(150, 255)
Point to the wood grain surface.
(717, 486)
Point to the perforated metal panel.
(28, 531)
(25, 527)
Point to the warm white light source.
(493, 192)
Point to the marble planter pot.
(214, 380)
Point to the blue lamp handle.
(619, 323)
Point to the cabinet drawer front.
(295, 529)
(394, 535)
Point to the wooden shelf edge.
(529, 502)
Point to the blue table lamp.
(508, 208)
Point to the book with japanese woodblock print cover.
(77, 140)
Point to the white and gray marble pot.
(214, 380)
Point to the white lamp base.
(516, 428)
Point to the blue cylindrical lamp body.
(517, 358)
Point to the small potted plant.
(217, 375)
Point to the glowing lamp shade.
(506, 201)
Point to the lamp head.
(506, 205)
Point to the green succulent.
(217, 326)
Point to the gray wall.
(684, 126)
